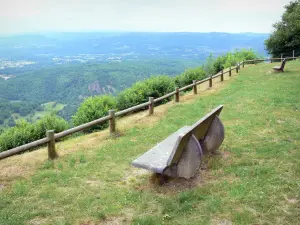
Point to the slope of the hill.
(254, 181)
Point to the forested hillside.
(66, 68)
(70, 84)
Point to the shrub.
(246, 54)
(50, 122)
(24, 132)
(232, 58)
(189, 75)
(94, 108)
(208, 65)
(140, 92)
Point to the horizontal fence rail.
(81, 127)
(23, 148)
(165, 97)
(51, 137)
(132, 109)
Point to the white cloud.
(140, 15)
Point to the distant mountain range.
(126, 45)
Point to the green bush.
(208, 65)
(50, 122)
(232, 58)
(189, 75)
(141, 91)
(24, 132)
(94, 108)
(219, 64)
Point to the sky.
(234, 16)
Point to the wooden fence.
(51, 137)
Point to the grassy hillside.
(254, 181)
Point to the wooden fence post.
(151, 105)
(281, 57)
(237, 69)
(222, 75)
(243, 64)
(195, 87)
(177, 94)
(112, 122)
(210, 81)
(230, 71)
(293, 54)
(271, 60)
(51, 145)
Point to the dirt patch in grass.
(106, 221)
(1, 187)
(38, 221)
(291, 200)
(217, 221)
(151, 183)
(134, 174)
(124, 218)
(181, 184)
(94, 183)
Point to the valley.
(66, 68)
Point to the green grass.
(256, 181)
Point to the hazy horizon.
(47, 16)
(120, 32)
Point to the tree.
(286, 36)
(208, 65)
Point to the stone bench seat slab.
(157, 158)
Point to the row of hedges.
(24, 132)
(189, 75)
(231, 59)
(156, 87)
(141, 91)
(96, 107)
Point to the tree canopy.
(286, 36)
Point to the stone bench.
(180, 154)
(281, 67)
